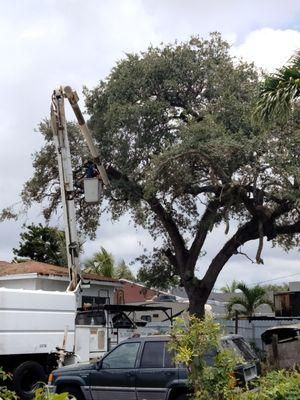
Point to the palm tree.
(280, 90)
(123, 271)
(249, 301)
(230, 288)
(101, 263)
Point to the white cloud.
(268, 48)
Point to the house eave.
(34, 275)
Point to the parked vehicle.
(141, 368)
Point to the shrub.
(5, 394)
(276, 385)
(193, 340)
(196, 344)
(42, 393)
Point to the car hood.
(74, 367)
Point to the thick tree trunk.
(197, 297)
(197, 290)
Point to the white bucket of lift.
(92, 190)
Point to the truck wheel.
(25, 378)
(182, 396)
(74, 393)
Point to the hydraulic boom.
(61, 141)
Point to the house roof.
(43, 269)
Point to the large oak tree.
(175, 128)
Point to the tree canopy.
(42, 243)
(183, 154)
(156, 271)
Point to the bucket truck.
(40, 329)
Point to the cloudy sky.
(45, 43)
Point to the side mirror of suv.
(98, 365)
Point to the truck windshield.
(90, 318)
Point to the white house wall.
(27, 284)
(51, 284)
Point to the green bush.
(276, 385)
(5, 394)
(192, 340)
(42, 393)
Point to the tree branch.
(205, 224)
(171, 227)
(288, 229)
(164, 217)
(249, 203)
(196, 190)
(172, 259)
(282, 209)
(249, 231)
(245, 255)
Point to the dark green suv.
(137, 369)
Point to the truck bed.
(34, 321)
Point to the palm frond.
(280, 90)
(238, 301)
(264, 301)
(250, 299)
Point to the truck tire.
(182, 396)
(25, 378)
(74, 392)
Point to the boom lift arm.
(62, 147)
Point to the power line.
(274, 279)
(270, 280)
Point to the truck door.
(115, 377)
(157, 371)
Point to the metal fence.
(252, 330)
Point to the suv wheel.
(74, 393)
